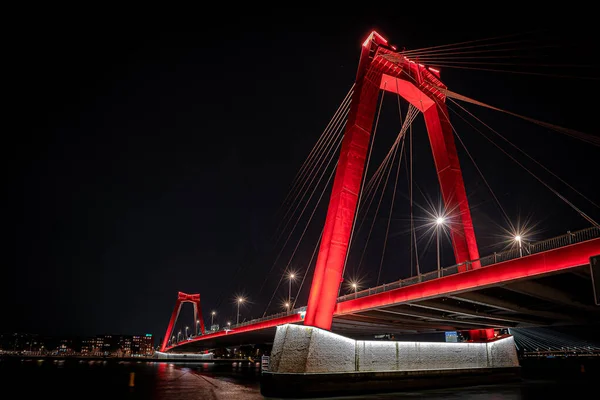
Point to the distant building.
(95, 346)
(118, 345)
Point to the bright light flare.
(241, 299)
(353, 285)
(518, 238)
(440, 220)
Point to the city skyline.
(157, 160)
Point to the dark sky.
(149, 160)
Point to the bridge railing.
(266, 318)
(526, 249)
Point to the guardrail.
(525, 250)
(268, 318)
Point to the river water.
(85, 379)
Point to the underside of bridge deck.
(562, 298)
(557, 299)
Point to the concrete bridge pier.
(307, 361)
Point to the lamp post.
(228, 325)
(355, 287)
(186, 334)
(292, 276)
(178, 333)
(197, 327)
(173, 340)
(439, 222)
(240, 301)
(287, 306)
(212, 319)
(518, 240)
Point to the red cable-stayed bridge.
(552, 286)
(549, 282)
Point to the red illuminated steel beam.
(521, 268)
(183, 298)
(288, 319)
(381, 68)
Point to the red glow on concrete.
(288, 319)
(183, 298)
(520, 268)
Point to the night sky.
(148, 160)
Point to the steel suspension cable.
(515, 72)
(477, 51)
(303, 232)
(308, 268)
(312, 176)
(402, 133)
(586, 137)
(298, 220)
(395, 185)
(391, 210)
(317, 145)
(377, 177)
(336, 132)
(504, 213)
(410, 116)
(529, 157)
(364, 176)
(376, 210)
(413, 234)
(418, 53)
(371, 193)
(470, 41)
(581, 213)
(331, 128)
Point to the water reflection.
(110, 379)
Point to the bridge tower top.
(381, 67)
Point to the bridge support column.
(183, 298)
(312, 361)
(452, 186)
(382, 69)
(344, 196)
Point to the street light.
(178, 333)
(240, 301)
(355, 287)
(228, 324)
(186, 334)
(287, 306)
(212, 319)
(197, 327)
(439, 223)
(518, 240)
(291, 276)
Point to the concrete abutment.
(308, 361)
